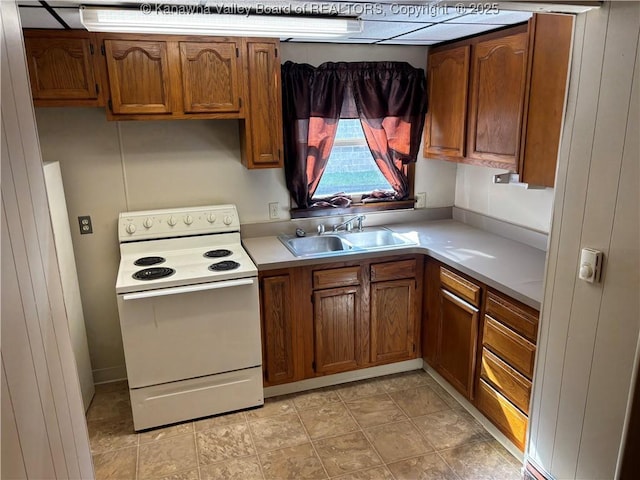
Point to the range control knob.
(130, 228)
(148, 223)
(172, 221)
(228, 220)
(211, 218)
(188, 220)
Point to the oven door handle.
(189, 289)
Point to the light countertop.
(511, 267)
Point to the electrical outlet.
(85, 225)
(421, 200)
(274, 210)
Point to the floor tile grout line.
(415, 426)
(449, 466)
(255, 448)
(315, 450)
(137, 460)
(195, 443)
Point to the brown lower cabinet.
(335, 317)
(483, 343)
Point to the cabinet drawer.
(336, 277)
(523, 320)
(506, 380)
(511, 421)
(511, 347)
(397, 270)
(463, 287)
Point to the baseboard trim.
(490, 427)
(338, 378)
(108, 375)
(532, 472)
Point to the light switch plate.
(421, 200)
(590, 265)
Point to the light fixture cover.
(147, 19)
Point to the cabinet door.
(392, 320)
(447, 83)
(457, 342)
(277, 329)
(431, 312)
(61, 68)
(262, 134)
(498, 81)
(138, 76)
(547, 90)
(336, 315)
(210, 77)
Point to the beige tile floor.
(402, 427)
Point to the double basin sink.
(339, 243)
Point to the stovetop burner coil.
(148, 261)
(221, 252)
(224, 266)
(153, 273)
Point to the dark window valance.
(389, 98)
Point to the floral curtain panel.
(388, 97)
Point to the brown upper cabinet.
(498, 99)
(261, 138)
(160, 77)
(62, 68)
(448, 83)
(210, 80)
(138, 76)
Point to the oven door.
(190, 331)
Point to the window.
(351, 168)
(369, 154)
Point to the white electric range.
(189, 314)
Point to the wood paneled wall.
(44, 433)
(589, 332)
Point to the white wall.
(589, 332)
(44, 433)
(515, 204)
(112, 167)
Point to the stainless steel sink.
(316, 246)
(374, 239)
(344, 242)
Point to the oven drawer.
(190, 331)
(198, 397)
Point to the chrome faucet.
(348, 224)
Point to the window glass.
(351, 168)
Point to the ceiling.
(384, 22)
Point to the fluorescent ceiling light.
(185, 22)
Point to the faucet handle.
(320, 229)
